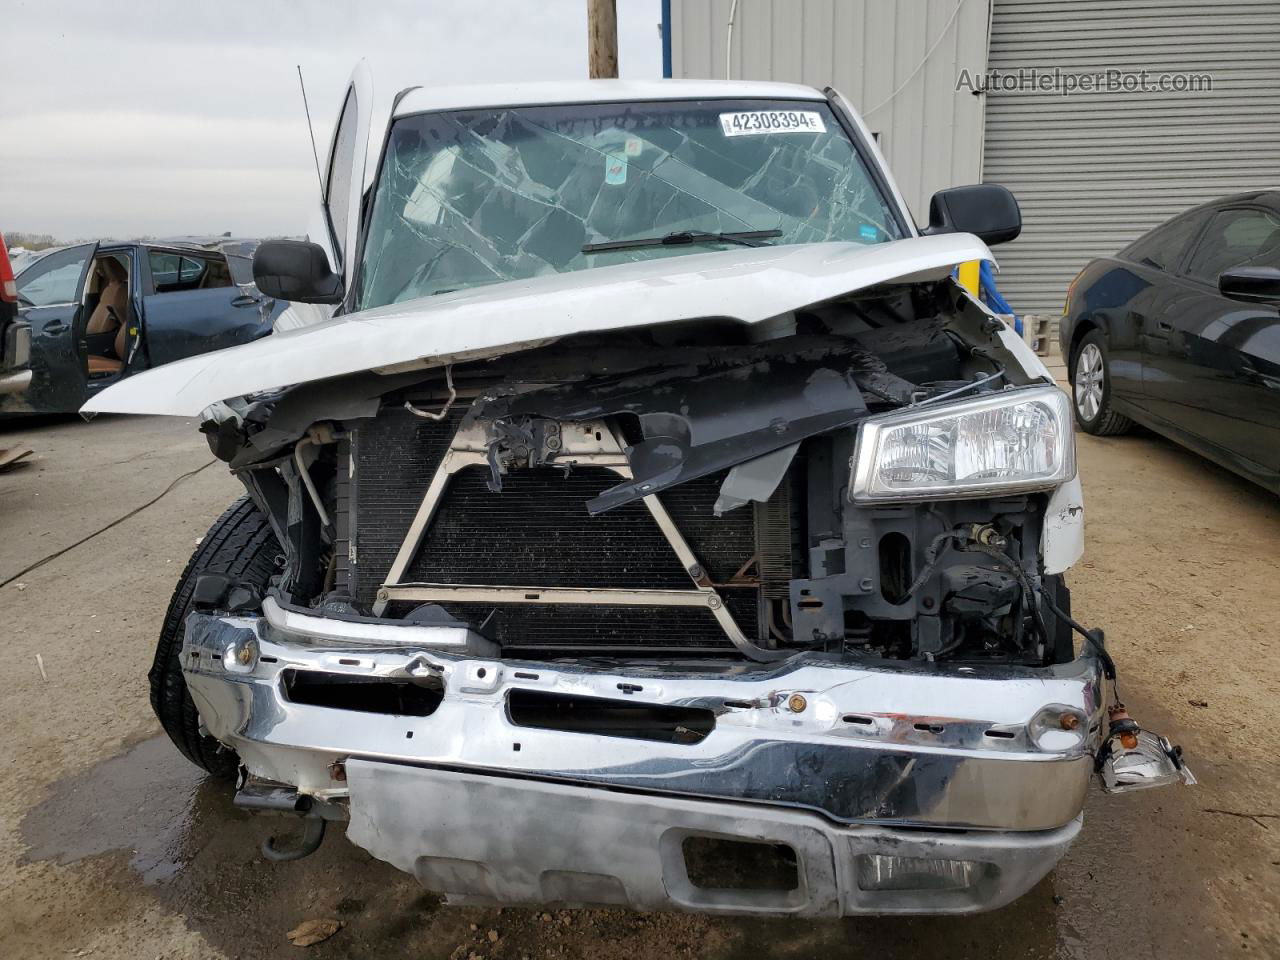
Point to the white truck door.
(344, 174)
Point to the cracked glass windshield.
(476, 197)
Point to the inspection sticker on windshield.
(748, 122)
(615, 169)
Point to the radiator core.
(536, 532)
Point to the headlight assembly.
(1009, 442)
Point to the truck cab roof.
(431, 99)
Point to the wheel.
(1091, 387)
(242, 543)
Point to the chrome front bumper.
(865, 759)
(485, 840)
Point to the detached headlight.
(1009, 442)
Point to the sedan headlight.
(1009, 442)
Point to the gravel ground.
(112, 846)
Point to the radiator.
(537, 533)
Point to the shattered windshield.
(481, 196)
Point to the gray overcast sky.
(162, 118)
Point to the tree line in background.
(32, 241)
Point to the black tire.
(1091, 388)
(241, 543)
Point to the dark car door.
(1110, 294)
(1120, 294)
(1219, 359)
(50, 294)
(193, 305)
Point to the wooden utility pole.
(602, 38)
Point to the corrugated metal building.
(866, 49)
(1092, 169)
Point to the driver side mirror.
(1251, 284)
(987, 210)
(297, 271)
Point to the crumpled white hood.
(748, 285)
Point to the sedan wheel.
(1088, 382)
(1091, 386)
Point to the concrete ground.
(111, 845)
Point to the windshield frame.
(869, 158)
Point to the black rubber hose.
(1092, 637)
(312, 837)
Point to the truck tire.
(241, 543)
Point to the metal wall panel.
(930, 133)
(1093, 171)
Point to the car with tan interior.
(91, 314)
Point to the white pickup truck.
(653, 522)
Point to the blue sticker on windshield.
(615, 169)
(868, 232)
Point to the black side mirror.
(987, 210)
(1251, 284)
(295, 270)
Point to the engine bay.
(679, 490)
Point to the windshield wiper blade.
(743, 238)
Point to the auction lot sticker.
(748, 122)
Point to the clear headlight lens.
(1009, 442)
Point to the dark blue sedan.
(1180, 332)
(92, 314)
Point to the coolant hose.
(312, 836)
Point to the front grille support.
(592, 444)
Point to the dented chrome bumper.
(860, 759)
(485, 839)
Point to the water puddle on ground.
(145, 801)
(191, 850)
